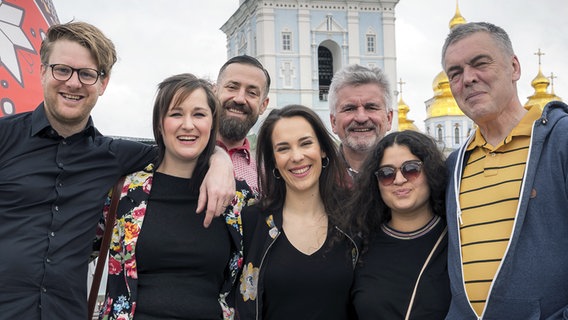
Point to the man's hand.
(218, 188)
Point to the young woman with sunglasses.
(398, 208)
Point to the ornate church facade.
(303, 43)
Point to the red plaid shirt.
(244, 164)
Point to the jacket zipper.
(354, 262)
(259, 267)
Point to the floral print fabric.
(120, 301)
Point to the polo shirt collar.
(523, 128)
(244, 148)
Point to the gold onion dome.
(457, 19)
(444, 103)
(541, 95)
(403, 122)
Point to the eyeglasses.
(410, 171)
(63, 72)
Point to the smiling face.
(482, 77)
(298, 154)
(186, 129)
(242, 93)
(68, 104)
(405, 198)
(361, 117)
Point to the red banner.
(23, 25)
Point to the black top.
(307, 287)
(387, 273)
(52, 191)
(181, 264)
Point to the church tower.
(445, 122)
(303, 43)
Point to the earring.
(326, 162)
(277, 176)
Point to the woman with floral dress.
(163, 263)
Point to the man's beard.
(360, 145)
(235, 129)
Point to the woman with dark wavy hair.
(399, 210)
(298, 261)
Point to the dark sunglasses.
(410, 171)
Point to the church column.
(266, 43)
(354, 51)
(305, 55)
(389, 53)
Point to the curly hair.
(367, 208)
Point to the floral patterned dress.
(120, 300)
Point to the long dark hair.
(176, 89)
(332, 184)
(367, 210)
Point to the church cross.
(539, 54)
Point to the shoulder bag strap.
(422, 271)
(109, 225)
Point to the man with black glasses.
(55, 171)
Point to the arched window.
(440, 134)
(371, 43)
(325, 71)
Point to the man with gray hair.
(508, 193)
(360, 111)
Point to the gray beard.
(234, 129)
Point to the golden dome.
(403, 122)
(458, 18)
(443, 102)
(541, 95)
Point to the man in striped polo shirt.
(507, 201)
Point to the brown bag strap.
(103, 251)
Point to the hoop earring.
(277, 176)
(326, 163)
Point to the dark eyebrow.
(470, 62)
(305, 138)
(280, 144)
(479, 57)
(300, 140)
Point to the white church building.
(302, 44)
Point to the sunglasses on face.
(410, 171)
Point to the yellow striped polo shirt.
(489, 195)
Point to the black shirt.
(387, 272)
(181, 265)
(52, 191)
(300, 286)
